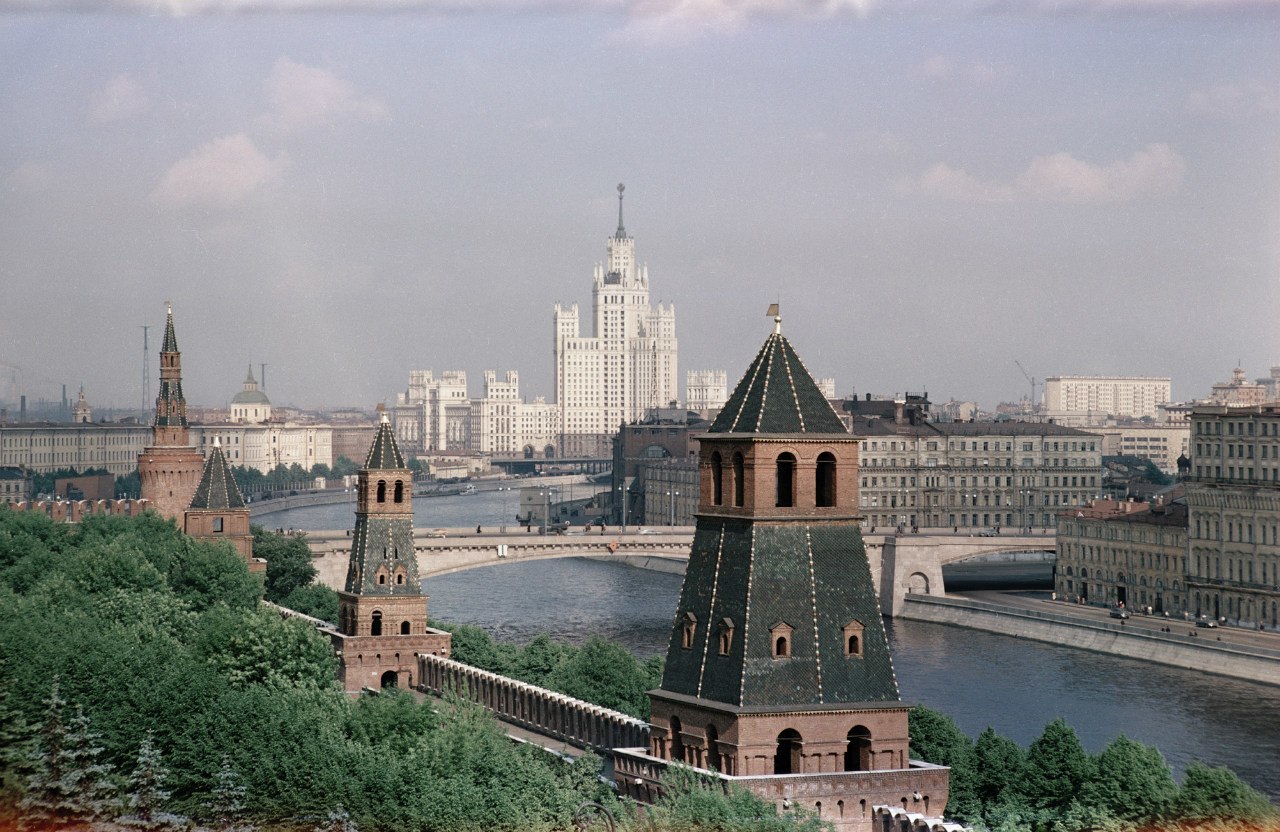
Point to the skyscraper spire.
(622, 231)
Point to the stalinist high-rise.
(628, 363)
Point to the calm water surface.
(978, 678)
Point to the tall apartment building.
(1080, 400)
(917, 473)
(503, 424)
(626, 365)
(434, 414)
(1233, 496)
(705, 390)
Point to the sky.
(347, 191)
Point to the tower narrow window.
(786, 471)
(825, 484)
(780, 638)
(739, 481)
(853, 639)
(404, 628)
(375, 629)
(726, 635)
(787, 759)
(399, 493)
(688, 630)
(382, 491)
(717, 481)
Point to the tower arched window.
(399, 493)
(726, 636)
(382, 491)
(375, 628)
(739, 481)
(786, 473)
(688, 630)
(717, 479)
(857, 753)
(825, 480)
(787, 759)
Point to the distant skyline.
(347, 191)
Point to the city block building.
(1091, 400)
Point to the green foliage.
(998, 763)
(1217, 793)
(147, 795)
(315, 600)
(214, 573)
(1057, 768)
(691, 802)
(70, 780)
(935, 738)
(344, 467)
(393, 719)
(226, 804)
(288, 562)
(1131, 781)
(260, 647)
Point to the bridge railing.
(542, 711)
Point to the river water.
(980, 679)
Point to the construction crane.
(1031, 403)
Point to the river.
(980, 679)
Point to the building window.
(689, 629)
(382, 491)
(375, 627)
(404, 628)
(399, 493)
(780, 638)
(217, 525)
(786, 474)
(717, 479)
(726, 635)
(739, 483)
(853, 639)
(825, 484)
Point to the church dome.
(251, 394)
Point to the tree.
(315, 600)
(1131, 781)
(605, 673)
(935, 738)
(540, 660)
(69, 780)
(1057, 768)
(17, 740)
(288, 562)
(344, 467)
(147, 795)
(259, 647)
(1217, 793)
(998, 763)
(338, 820)
(214, 573)
(226, 804)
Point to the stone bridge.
(900, 564)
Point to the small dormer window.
(688, 630)
(853, 639)
(780, 638)
(726, 636)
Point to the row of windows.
(779, 637)
(785, 470)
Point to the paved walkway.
(1041, 601)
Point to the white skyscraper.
(628, 363)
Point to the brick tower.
(170, 468)
(218, 510)
(778, 673)
(382, 611)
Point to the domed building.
(250, 405)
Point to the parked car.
(1207, 623)
(438, 533)
(1116, 612)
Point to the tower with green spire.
(382, 610)
(170, 467)
(778, 673)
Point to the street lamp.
(622, 498)
(672, 495)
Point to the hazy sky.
(348, 191)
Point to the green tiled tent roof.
(777, 395)
(170, 339)
(384, 453)
(217, 489)
(813, 577)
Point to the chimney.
(899, 416)
(22, 408)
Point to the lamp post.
(673, 495)
(622, 498)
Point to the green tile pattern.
(217, 489)
(777, 395)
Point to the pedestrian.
(477, 528)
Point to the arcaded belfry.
(382, 610)
(778, 673)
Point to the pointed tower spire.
(622, 231)
(170, 467)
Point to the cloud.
(121, 98)
(1240, 96)
(1155, 170)
(302, 96)
(217, 174)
